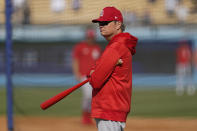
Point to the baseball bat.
(53, 100)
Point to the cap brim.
(99, 20)
(96, 20)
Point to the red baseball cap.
(90, 33)
(109, 14)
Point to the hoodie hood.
(129, 41)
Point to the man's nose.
(101, 26)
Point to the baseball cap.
(90, 33)
(109, 14)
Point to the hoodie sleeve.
(104, 68)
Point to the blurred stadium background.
(45, 31)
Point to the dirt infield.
(73, 124)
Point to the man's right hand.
(119, 62)
(90, 73)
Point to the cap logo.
(116, 17)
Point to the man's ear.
(118, 25)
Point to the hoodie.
(112, 83)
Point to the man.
(111, 78)
(184, 69)
(195, 66)
(85, 55)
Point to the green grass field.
(145, 103)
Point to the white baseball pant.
(108, 125)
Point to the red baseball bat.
(61, 95)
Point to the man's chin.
(103, 34)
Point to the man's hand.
(91, 72)
(119, 62)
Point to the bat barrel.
(60, 96)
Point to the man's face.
(109, 28)
(91, 40)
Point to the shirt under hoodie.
(112, 84)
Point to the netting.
(45, 32)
